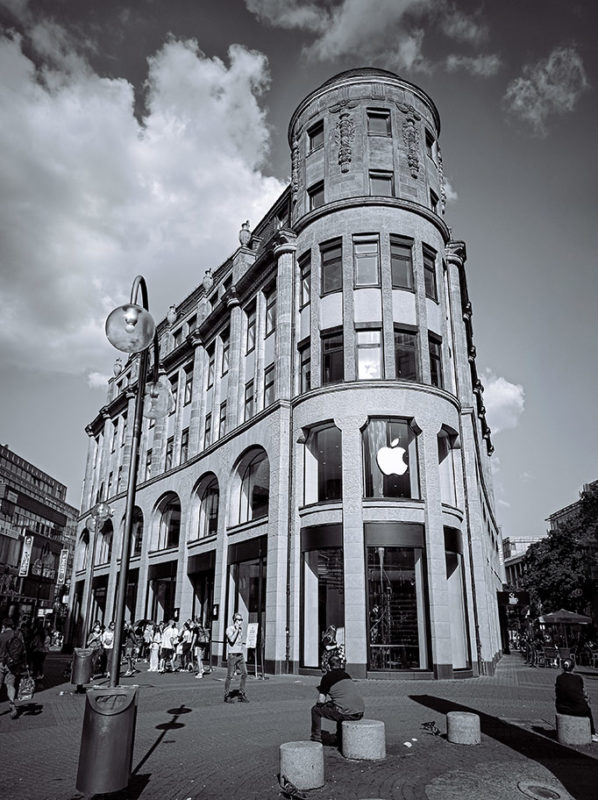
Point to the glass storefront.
(456, 598)
(323, 589)
(247, 585)
(396, 597)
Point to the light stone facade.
(355, 295)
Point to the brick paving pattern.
(189, 745)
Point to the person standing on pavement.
(108, 644)
(169, 636)
(154, 651)
(94, 642)
(571, 697)
(235, 658)
(345, 701)
(13, 661)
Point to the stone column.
(126, 462)
(285, 292)
(455, 259)
(198, 394)
(86, 493)
(353, 544)
(234, 361)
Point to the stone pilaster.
(455, 259)
(353, 544)
(198, 393)
(86, 493)
(233, 415)
(285, 286)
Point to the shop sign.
(26, 557)
(251, 638)
(62, 564)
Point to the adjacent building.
(37, 539)
(327, 460)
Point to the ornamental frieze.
(411, 137)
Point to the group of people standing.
(166, 647)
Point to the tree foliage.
(558, 569)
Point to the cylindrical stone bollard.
(364, 739)
(573, 730)
(302, 763)
(463, 727)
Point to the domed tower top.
(365, 133)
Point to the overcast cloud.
(91, 196)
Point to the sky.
(136, 137)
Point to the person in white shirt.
(108, 644)
(235, 658)
(169, 636)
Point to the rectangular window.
(177, 337)
(378, 122)
(381, 184)
(305, 368)
(269, 385)
(333, 370)
(114, 435)
(169, 453)
(401, 263)
(192, 323)
(315, 136)
(323, 599)
(435, 362)
(368, 347)
(207, 439)
(249, 399)
(250, 328)
(429, 144)
(188, 386)
(174, 388)
(331, 270)
(270, 311)
(222, 419)
(225, 352)
(316, 195)
(109, 490)
(184, 445)
(305, 280)
(211, 363)
(434, 201)
(406, 355)
(148, 465)
(366, 261)
(124, 433)
(430, 274)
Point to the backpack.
(15, 652)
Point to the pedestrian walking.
(201, 646)
(235, 658)
(570, 696)
(13, 662)
(107, 640)
(345, 701)
(130, 648)
(170, 635)
(154, 651)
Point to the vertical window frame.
(397, 260)
(361, 240)
(331, 265)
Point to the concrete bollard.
(463, 727)
(302, 763)
(363, 739)
(573, 730)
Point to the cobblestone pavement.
(189, 745)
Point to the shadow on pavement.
(576, 771)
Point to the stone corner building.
(333, 344)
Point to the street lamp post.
(109, 722)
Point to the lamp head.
(159, 400)
(130, 328)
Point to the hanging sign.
(62, 564)
(26, 557)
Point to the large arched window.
(169, 524)
(104, 546)
(254, 494)
(323, 464)
(83, 550)
(137, 532)
(208, 509)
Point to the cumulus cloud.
(548, 87)
(90, 196)
(97, 380)
(388, 32)
(483, 66)
(504, 401)
(451, 193)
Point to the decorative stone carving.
(441, 180)
(345, 134)
(295, 170)
(411, 136)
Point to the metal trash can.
(107, 740)
(82, 666)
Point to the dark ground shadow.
(576, 771)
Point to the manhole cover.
(539, 792)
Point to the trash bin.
(82, 666)
(107, 740)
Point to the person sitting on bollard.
(571, 697)
(345, 701)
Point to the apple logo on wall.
(391, 459)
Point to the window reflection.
(390, 459)
(323, 465)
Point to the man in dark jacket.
(570, 696)
(345, 701)
(13, 660)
